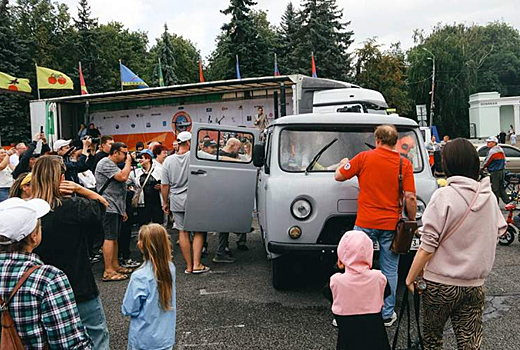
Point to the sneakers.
(204, 252)
(334, 323)
(95, 258)
(129, 264)
(224, 259)
(390, 321)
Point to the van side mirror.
(259, 155)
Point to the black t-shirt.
(65, 242)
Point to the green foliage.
(468, 59)
(14, 109)
(288, 40)
(384, 72)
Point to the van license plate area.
(416, 242)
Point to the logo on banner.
(181, 121)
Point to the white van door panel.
(221, 187)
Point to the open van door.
(222, 179)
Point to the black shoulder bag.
(100, 192)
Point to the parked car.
(512, 156)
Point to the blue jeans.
(93, 318)
(389, 262)
(4, 193)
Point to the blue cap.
(148, 152)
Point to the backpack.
(10, 338)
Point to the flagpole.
(120, 76)
(37, 88)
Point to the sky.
(388, 20)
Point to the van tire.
(279, 273)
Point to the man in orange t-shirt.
(378, 201)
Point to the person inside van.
(357, 295)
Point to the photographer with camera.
(28, 158)
(74, 166)
(105, 144)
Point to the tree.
(288, 40)
(468, 59)
(240, 37)
(384, 72)
(323, 33)
(14, 108)
(166, 53)
(88, 49)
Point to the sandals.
(199, 271)
(114, 277)
(124, 271)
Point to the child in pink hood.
(358, 295)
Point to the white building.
(489, 114)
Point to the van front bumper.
(301, 248)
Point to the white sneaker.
(390, 321)
(334, 323)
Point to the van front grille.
(335, 227)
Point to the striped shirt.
(43, 309)
(495, 160)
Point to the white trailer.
(158, 114)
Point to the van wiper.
(318, 155)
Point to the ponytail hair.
(156, 248)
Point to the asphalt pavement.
(234, 306)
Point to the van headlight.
(421, 207)
(301, 209)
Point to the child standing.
(358, 295)
(150, 296)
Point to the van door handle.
(198, 172)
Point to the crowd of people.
(58, 207)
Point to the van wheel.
(279, 270)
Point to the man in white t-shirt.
(15, 158)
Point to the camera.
(136, 157)
(92, 139)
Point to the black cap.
(210, 143)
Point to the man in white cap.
(495, 163)
(43, 308)
(174, 189)
(62, 147)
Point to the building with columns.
(489, 114)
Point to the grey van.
(301, 208)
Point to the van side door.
(222, 179)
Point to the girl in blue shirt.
(150, 296)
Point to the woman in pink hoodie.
(358, 294)
(460, 231)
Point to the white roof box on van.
(349, 100)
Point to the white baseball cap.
(18, 218)
(61, 143)
(184, 136)
(492, 139)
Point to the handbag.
(405, 229)
(10, 338)
(137, 194)
(405, 305)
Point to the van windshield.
(299, 145)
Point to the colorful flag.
(82, 81)
(200, 72)
(314, 74)
(52, 79)
(276, 71)
(8, 82)
(238, 70)
(161, 79)
(129, 78)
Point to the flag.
(201, 75)
(276, 71)
(314, 74)
(82, 82)
(161, 79)
(129, 78)
(8, 82)
(238, 70)
(52, 79)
